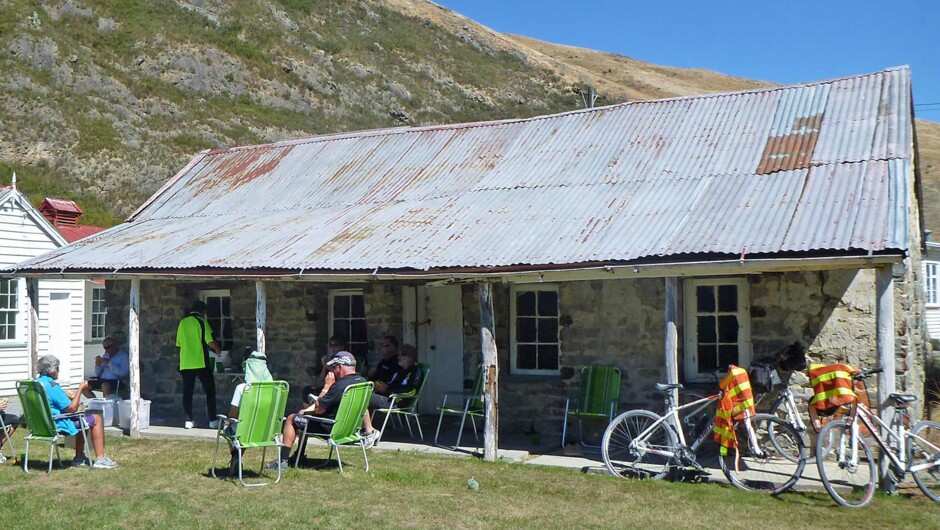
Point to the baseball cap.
(343, 358)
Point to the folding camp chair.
(597, 399)
(41, 422)
(259, 423)
(9, 442)
(345, 430)
(472, 407)
(408, 405)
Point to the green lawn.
(166, 484)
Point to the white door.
(60, 328)
(440, 342)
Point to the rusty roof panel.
(816, 167)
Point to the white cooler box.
(125, 413)
(108, 408)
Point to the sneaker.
(276, 463)
(2, 458)
(369, 439)
(189, 424)
(79, 461)
(214, 424)
(104, 463)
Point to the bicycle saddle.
(902, 398)
(662, 387)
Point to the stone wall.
(617, 322)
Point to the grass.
(166, 484)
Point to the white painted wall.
(24, 234)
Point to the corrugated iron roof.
(819, 167)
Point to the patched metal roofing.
(823, 167)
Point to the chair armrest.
(68, 416)
(319, 419)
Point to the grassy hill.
(104, 101)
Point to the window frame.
(932, 284)
(514, 291)
(91, 337)
(690, 352)
(364, 344)
(16, 311)
(218, 334)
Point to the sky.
(789, 41)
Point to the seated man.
(10, 421)
(387, 366)
(405, 380)
(342, 373)
(317, 389)
(60, 403)
(110, 368)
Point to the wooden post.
(671, 352)
(260, 314)
(884, 317)
(133, 343)
(490, 373)
(32, 302)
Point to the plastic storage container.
(108, 408)
(125, 413)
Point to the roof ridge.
(491, 123)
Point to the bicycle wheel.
(626, 454)
(790, 452)
(924, 449)
(851, 484)
(757, 464)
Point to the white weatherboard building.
(25, 234)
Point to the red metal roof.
(61, 206)
(74, 233)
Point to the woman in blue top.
(61, 403)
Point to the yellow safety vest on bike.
(832, 386)
(737, 400)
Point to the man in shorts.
(342, 374)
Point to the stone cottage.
(668, 237)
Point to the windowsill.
(530, 378)
(13, 345)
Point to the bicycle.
(643, 444)
(847, 468)
(764, 376)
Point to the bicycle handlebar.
(864, 374)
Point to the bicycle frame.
(899, 458)
(793, 414)
(673, 421)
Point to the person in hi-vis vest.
(194, 339)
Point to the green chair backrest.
(36, 408)
(260, 413)
(351, 409)
(600, 385)
(476, 399)
(425, 370)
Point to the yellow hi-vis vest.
(737, 400)
(832, 385)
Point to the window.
(98, 312)
(348, 318)
(534, 345)
(9, 307)
(717, 326)
(219, 315)
(931, 271)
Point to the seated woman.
(60, 403)
(10, 422)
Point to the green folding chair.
(41, 422)
(597, 399)
(472, 407)
(346, 426)
(259, 423)
(407, 406)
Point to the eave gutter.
(503, 275)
